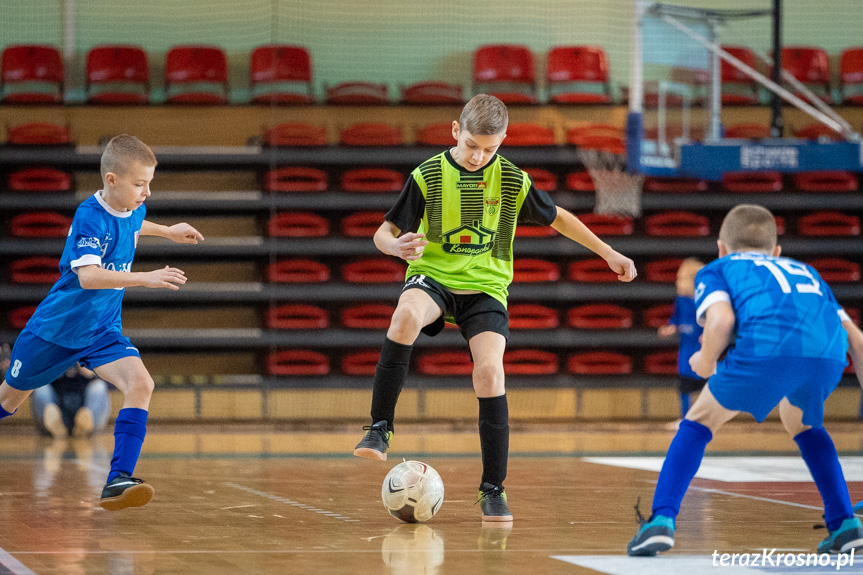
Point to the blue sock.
(4, 413)
(820, 456)
(130, 428)
(684, 457)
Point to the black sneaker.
(492, 500)
(376, 442)
(124, 491)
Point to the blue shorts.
(757, 384)
(36, 362)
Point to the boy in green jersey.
(454, 223)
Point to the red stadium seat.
(599, 363)
(674, 185)
(117, 75)
(295, 179)
(40, 225)
(295, 134)
(817, 131)
(280, 74)
(663, 271)
(361, 363)
(580, 182)
(368, 316)
(542, 179)
(531, 231)
(748, 131)
(436, 135)
(529, 134)
(578, 75)
(661, 363)
(358, 93)
(529, 362)
(196, 75)
(658, 316)
(752, 182)
(362, 224)
(371, 134)
(19, 317)
(597, 137)
(39, 180)
(297, 362)
(505, 71)
(532, 316)
(374, 271)
(831, 181)
(529, 270)
(433, 94)
(298, 225)
(35, 270)
(780, 225)
(297, 317)
(604, 225)
(31, 74)
(446, 363)
(828, 224)
(39, 134)
(811, 66)
(678, 224)
(837, 269)
(298, 272)
(600, 316)
(372, 180)
(851, 76)
(591, 271)
(738, 89)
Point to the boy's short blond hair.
(123, 151)
(484, 115)
(748, 226)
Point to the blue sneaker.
(848, 537)
(858, 507)
(654, 536)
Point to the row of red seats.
(44, 269)
(300, 362)
(282, 74)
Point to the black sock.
(494, 438)
(389, 378)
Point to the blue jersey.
(689, 331)
(783, 308)
(74, 317)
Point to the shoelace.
(370, 428)
(488, 493)
(639, 518)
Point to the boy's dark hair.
(123, 151)
(748, 226)
(484, 115)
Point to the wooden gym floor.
(262, 500)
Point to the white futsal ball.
(412, 491)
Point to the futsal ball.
(412, 491)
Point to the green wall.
(396, 42)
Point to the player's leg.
(416, 309)
(802, 414)
(488, 381)
(681, 464)
(46, 411)
(129, 375)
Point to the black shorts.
(690, 384)
(472, 313)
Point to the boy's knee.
(488, 376)
(405, 324)
(142, 384)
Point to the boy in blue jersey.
(682, 322)
(787, 349)
(79, 320)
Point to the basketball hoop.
(618, 193)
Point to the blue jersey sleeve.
(710, 288)
(87, 234)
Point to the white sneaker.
(52, 419)
(83, 423)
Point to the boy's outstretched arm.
(718, 332)
(855, 347)
(180, 233)
(408, 247)
(570, 226)
(94, 277)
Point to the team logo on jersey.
(468, 240)
(104, 247)
(699, 291)
(88, 243)
(491, 205)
